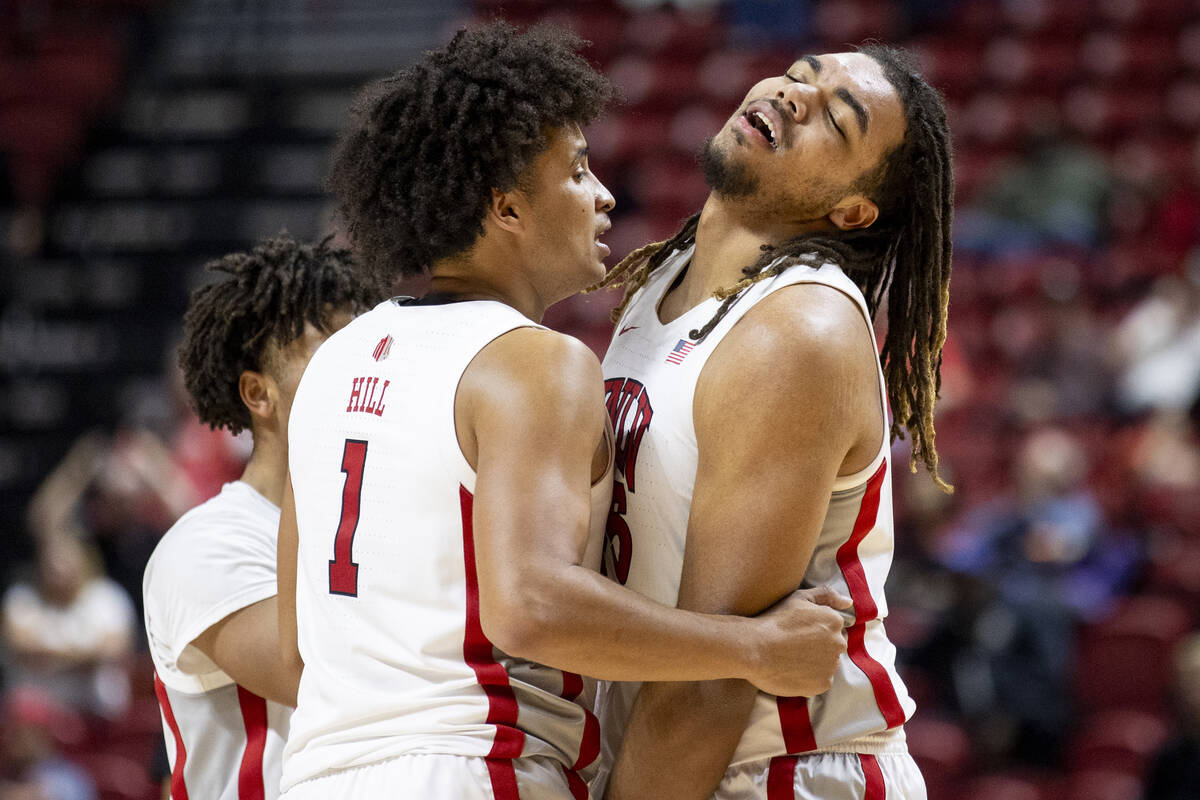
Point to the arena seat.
(1125, 661)
(1118, 740)
(1103, 784)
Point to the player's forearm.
(579, 621)
(680, 739)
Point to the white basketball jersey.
(651, 371)
(223, 741)
(395, 659)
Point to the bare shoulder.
(806, 332)
(536, 360)
(530, 378)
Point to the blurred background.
(1045, 613)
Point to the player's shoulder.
(532, 355)
(802, 338)
(237, 518)
(801, 320)
(531, 370)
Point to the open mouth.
(763, 124)
(601, 245)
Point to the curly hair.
(907, 250)
(265, 299)
(414, 171)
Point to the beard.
(725, 176)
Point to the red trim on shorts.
(781, 778)
(254, 717)
(579, 790)
(876, 789)
(572, 685)
(509, 740)
(589, 745)
(178, 787)
(504, 777)
(865, 608)
(795, 724)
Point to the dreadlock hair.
(265, 298)
(414, 171)
(906, 250)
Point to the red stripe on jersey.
(876, 790)
(781, 778)
(579, 790)
(794, 722)
(477, 652)
(865, 608)
(254, 717)
(178, 787)
(504, 778)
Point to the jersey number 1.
(343, 571)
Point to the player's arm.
(246, 645)
(788, 399)
(255, 645)
(285, 576)
(531, 414)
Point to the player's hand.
(802, 641)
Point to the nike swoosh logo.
(627, 329)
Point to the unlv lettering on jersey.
(629, 409)
(362, 396)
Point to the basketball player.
(224, 692)
(451, 467)
(751, 423)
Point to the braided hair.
(414, 171)
(265, 298)
(906, 250)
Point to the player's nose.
(797, 99)
(605, 202)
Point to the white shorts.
(825, 776)
(437, 776)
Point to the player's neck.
(724, 245)
(729, 238)
(468, 279)
(266, 471)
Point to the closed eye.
(833, 122)
(828, 110)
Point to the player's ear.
(506, 210)
(259, 394)
(855, 211)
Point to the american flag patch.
(680, 351)
(383, 348)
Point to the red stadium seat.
(1011, 786)
(40, 141)
(838, 21)
(940, 748)
(1103, 784)
(1120, 740)
(1125, 661)
(668, 32)
(117, 777)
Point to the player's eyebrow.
(813, 62)
(580, 154)
(852, 101)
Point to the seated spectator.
(1031, 566)
(1174, 773)
(1053, 194)
(68, 630)
(30, 766)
